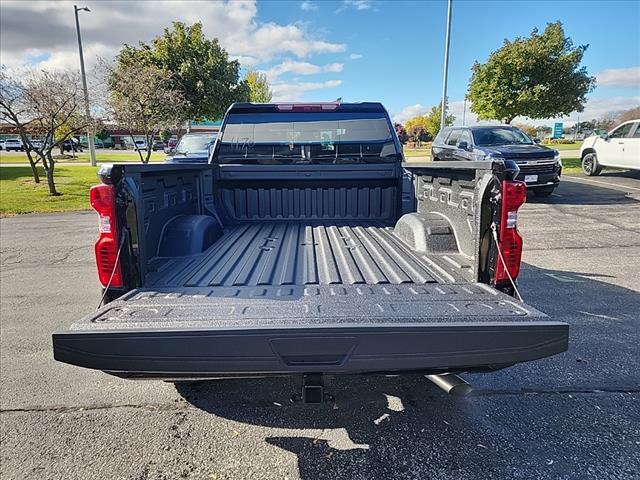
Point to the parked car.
(540, 166)
(171, 145)
(1, 144)
(140, 145)
(71, 145)
(14, 144)
(158, 145)
(37, 144)
(619, 148)
(308, 254)
(192, 148)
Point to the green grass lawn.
(108, 156)
(565, 146)
(417, 152)
(571, 165)
(19, 193)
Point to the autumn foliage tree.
(401, 132)
(429, 123)
(538, 77)
(416, 134)
(259, 91)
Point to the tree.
(54, 104)
(165, 135)
(417, 121)
(631, 114)
(430, 122)
(13, 110)
(544, 130)
(538, 77)
(259, 91)
(144, 98)
(208, 81)
(416, 134)
(401, 132)
(102, 132)
(529, 129)
(606, 122)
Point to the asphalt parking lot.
(576, 415)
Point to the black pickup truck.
(306, 246)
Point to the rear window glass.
(195, 143)
(307, 137)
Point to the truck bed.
(305, 253)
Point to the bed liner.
(305, 253)
(222, 331)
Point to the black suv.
(540, 167)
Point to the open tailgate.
(204, 332)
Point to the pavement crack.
(89, 408)
(557, 391)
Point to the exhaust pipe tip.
(452, 384)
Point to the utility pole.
(443, 105)
(92, 148)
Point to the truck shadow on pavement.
(534, 420)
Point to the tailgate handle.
(313, 351)
(312, 360)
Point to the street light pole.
(443, 105)
(92, 148)
(464, 111)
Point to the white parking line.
(585, 180)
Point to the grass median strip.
(101, 156)
(571, 165)
(20, 194)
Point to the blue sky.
(402, 43)
(388, 51)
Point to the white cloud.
(308, 6)
(355, 56)
(50, 30)
(359, 4)
(457, 109)
(619, 77)
(595, 108)
(301, 68)
(354, 4)
(409, 111)
(285, 92)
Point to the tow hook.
(451, 383)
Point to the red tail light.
(103, 201)
(514, 194)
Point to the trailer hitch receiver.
(313, 388)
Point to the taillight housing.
(103, 201)
(514, 194)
